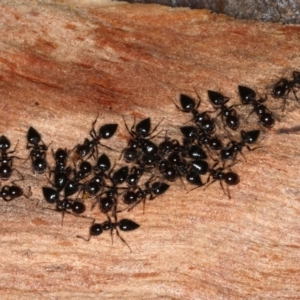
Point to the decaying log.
(61, 65)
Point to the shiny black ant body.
(91, 146)
(11, 192)
(134, 176)
(6, 161)
(248, 96)
(141, 141)
(134, 197)
(61, 172)
(109, 201)
(65, 205)
(210, 142)
(38, 151)
(233, 147)
(201, 119)
(191, 134)
(96, 229)
(201, 167)
(230, 178)
(72, 186)
(93, 186)
(229, 115)
(283, 87)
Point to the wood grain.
(61, 64)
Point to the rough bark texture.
(61, 64)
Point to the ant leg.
(107, 147)
(221, 184)
(209, 183)
(243, 154)
(81, 237)
(296, 97)
(176, 105)
(16, 180)
(122, 239)
(131, 132)
(250, 114)
(228, 192)
(93, 133)
(154, 129)
(284, 103)
(217, 162)
(252, 149)
(199, 98)
(62, 218)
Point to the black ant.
(133, 198)
(6, 169)
(61, 172)
(248, 96)
(63, 206)
(191, 134)
(167, 146)
(73, 185)
(248, 137)
(124, 225)
(109, 202)
(228, 114)
(283, 87)
(38, 152)
(140, 141)
(201, 119)
(105, 132)
(210, 142)
(201, 167)
(134, 176)
(194, 178)
(93, 186)
(50, 195)
(230, 178)
(9, 193)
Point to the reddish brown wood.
(61, 64)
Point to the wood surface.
(62, 64)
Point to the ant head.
(250, 137)
(280, 89)
(189, 132)
(33, 137)
(4, 143)
(207, 126)
(143, 128)
(85, 167)
(107, 131)
(247, 94)
(61, 155)
(216, 98)
(187, 103)
(50, 195)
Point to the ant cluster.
(200, 158)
